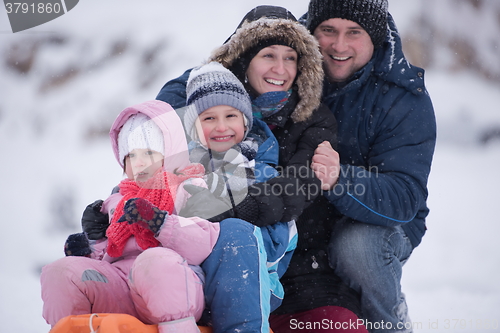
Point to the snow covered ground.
(54, 163)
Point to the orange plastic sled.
(107, 323)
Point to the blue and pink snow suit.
(157, 285)
(240, 261)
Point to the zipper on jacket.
(314, 264)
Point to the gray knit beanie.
(371, 15)
(211, 85)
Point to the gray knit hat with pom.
(211, 85)
(371, 15)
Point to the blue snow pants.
(238, 288)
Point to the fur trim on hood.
(309, 81)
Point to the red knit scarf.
(160, 190)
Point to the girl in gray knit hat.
(219, 119)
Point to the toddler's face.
(222, 127)
(142, 164)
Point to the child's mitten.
(140, 210)
(77, 245)
(95, 223)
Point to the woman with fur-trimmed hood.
(300, 123)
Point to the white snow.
(54, 164)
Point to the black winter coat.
(310, 282)
(298, 140)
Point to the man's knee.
(349, 239)
(355, 245)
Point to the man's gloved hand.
(77, 245)
(204, 204)
(95, 223)
(141, 211)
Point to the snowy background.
(63, 83)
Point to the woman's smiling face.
(274, 68)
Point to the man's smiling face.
(346, 48)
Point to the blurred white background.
(63, 83)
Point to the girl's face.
(274, 68)
(142, 164)
(222, 127)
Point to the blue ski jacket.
(386, 140)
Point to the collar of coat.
(281, 117)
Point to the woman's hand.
(326, 165)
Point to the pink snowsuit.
(156, 285)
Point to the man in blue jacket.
(377, 178)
